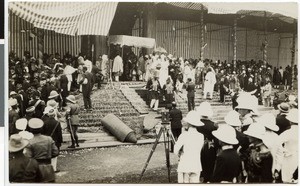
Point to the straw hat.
(284, 107)
(204, 109)
(35, 123)
(292, 116)
(21, 124)
(17, 143)
(30, 109)
(52, 103)
(53, 94)
(193, 118)
(232, 119)
(256, 130)
(71, 98)
(12, 102)
(226, 134)
(269, 121)
(47, 109)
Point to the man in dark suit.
(53, 129)
(228, 163)
(281, 120)
(190, 88)
(87, 86)
(175, 118)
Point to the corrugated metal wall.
(182, 38)
(19, 39)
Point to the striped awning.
(71, 18)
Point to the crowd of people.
(249, 148)
(41, 95)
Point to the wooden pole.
(246, 45)
(293, 60)
(265, 41)
(279, 45)
(202, 34)
(40, 33)
(234, 43)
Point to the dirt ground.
(115, 165)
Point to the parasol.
(160, 50)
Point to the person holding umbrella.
(73, 119)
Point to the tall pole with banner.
(265, 40)
(40, 34)
(293, 59)
(234, 42)
(202, 34)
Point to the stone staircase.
(127, 100)
(135, 99)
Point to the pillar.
(202, 34)
(279, 45)
(293, 59)
(265, 41)
(246, 45)
(40, 38)
(100, 46)
(234, 42)
(149, 20)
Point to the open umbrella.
(160, 50)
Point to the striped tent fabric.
(71, 18)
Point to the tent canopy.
(132, 41)
(71, 18)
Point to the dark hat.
(174, 104)
(284, 107)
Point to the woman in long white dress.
(164, 71)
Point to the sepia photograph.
(152, 92)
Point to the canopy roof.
(81, 18)
(132, 41)
(280, 16)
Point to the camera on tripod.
(165, 117)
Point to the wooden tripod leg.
(151, 153)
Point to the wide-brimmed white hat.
(47, 109)
(71, 98)
(226, 134)
(284, 107)
(26, 135)
(35, 123)
(53, 94)
(292, 116)
(21, 124)
(12, 93)
(256, 130)
(247, 101)
(52, 103)
(12, 102)
(17, 143)
(204, 109)
(193, 118)
(269, 121)
(232, 119)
